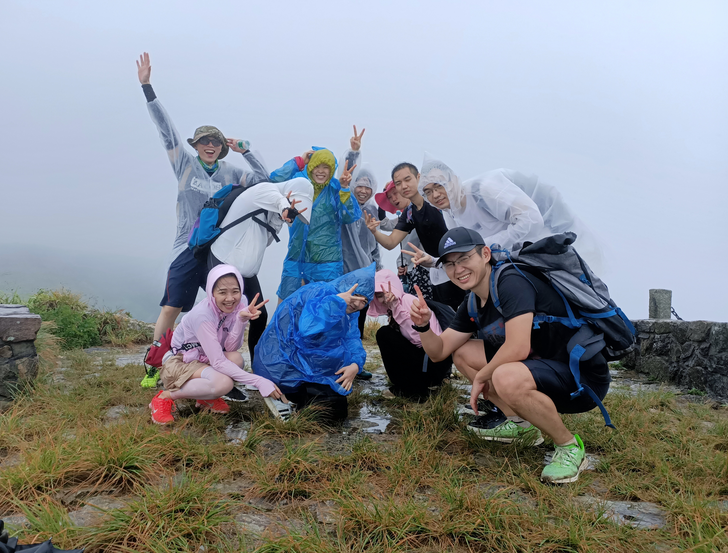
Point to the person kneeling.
(312, 348)
(204, 362)
(408, 367)
(521, 369)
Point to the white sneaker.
(279, 409)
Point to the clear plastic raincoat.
(508, 208)
(243, 245)
(314, 250)
(195, 186)
(311, 336)
(358, 244)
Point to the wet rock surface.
(640, 514)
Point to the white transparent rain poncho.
(243, 245)
(508, 208)
(358, 245)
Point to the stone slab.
(18, 324)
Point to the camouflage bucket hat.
(209, 130)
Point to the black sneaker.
(364, 375)
(235, 395)
(490, 419)
(484, 406)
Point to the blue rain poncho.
(314, 250)
(359, 246)
(311, 336)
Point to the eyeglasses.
(450, 265)
(210, 140)
(440, 189)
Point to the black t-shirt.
(427, 221)
(517, 297)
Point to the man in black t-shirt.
(521, 369)
(421, 216)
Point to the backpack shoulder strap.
(252, 215)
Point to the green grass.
(77, 325)
(431, 485)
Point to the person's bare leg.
(515, 386)
(166, 320)
(469, 359)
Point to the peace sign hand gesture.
(355, 141)
(345, 178)
(419, 312)
(419, 257)
(252, 312)
(389, 297)
(144, 70)
(371, 222)
(290, 212)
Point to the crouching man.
(521, 369)
(312, 348)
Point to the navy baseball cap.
(458, 239)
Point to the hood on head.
(384, 278)
(213, 276)
(364, 277)
(365, 177)
(301, 189)
(320, 156)
(435, 171)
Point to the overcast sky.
(622, 106)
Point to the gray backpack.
(601, 325)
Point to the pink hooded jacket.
(215, 330)
(401, 309)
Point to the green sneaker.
(150, 379)
(567, 463)
(507, 432)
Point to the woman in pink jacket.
(204, 362)
(409, 369)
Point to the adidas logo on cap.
(449, 242)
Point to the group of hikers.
(487, 279)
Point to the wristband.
(422, 329)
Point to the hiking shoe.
(567, 463)
(484, 408)
(161, 409)
(279, 409)
(150, 379)
(215, 405)
(388, 394)
(364, 375)
(507, 432)
(488, 420)
(236, 395)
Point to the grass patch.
(428, 486)
(370, 331)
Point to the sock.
(572, 441)
(520, 422)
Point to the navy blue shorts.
(554, 379)
(184, 277)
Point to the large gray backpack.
(602, 326)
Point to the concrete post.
(660, 304)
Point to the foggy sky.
(621, 106)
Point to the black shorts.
(184, 277)
(554, 379)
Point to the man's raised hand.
(252, 312)
(355, 141)
(286, 214)
(419, 312)
(418, 256)
(233, 145)
(345, 178)
(144, 69)
(371, 222)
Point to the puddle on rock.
(237, 432)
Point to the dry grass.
(431, 486)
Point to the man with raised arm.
(521, 369)
(199, 175)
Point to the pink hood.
(401, 309)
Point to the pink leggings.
(210, 385)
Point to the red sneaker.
(161, 409)
(215, 405)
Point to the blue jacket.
(314, 250)
(311, 337)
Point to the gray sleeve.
(259, 173)
(178, 156)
